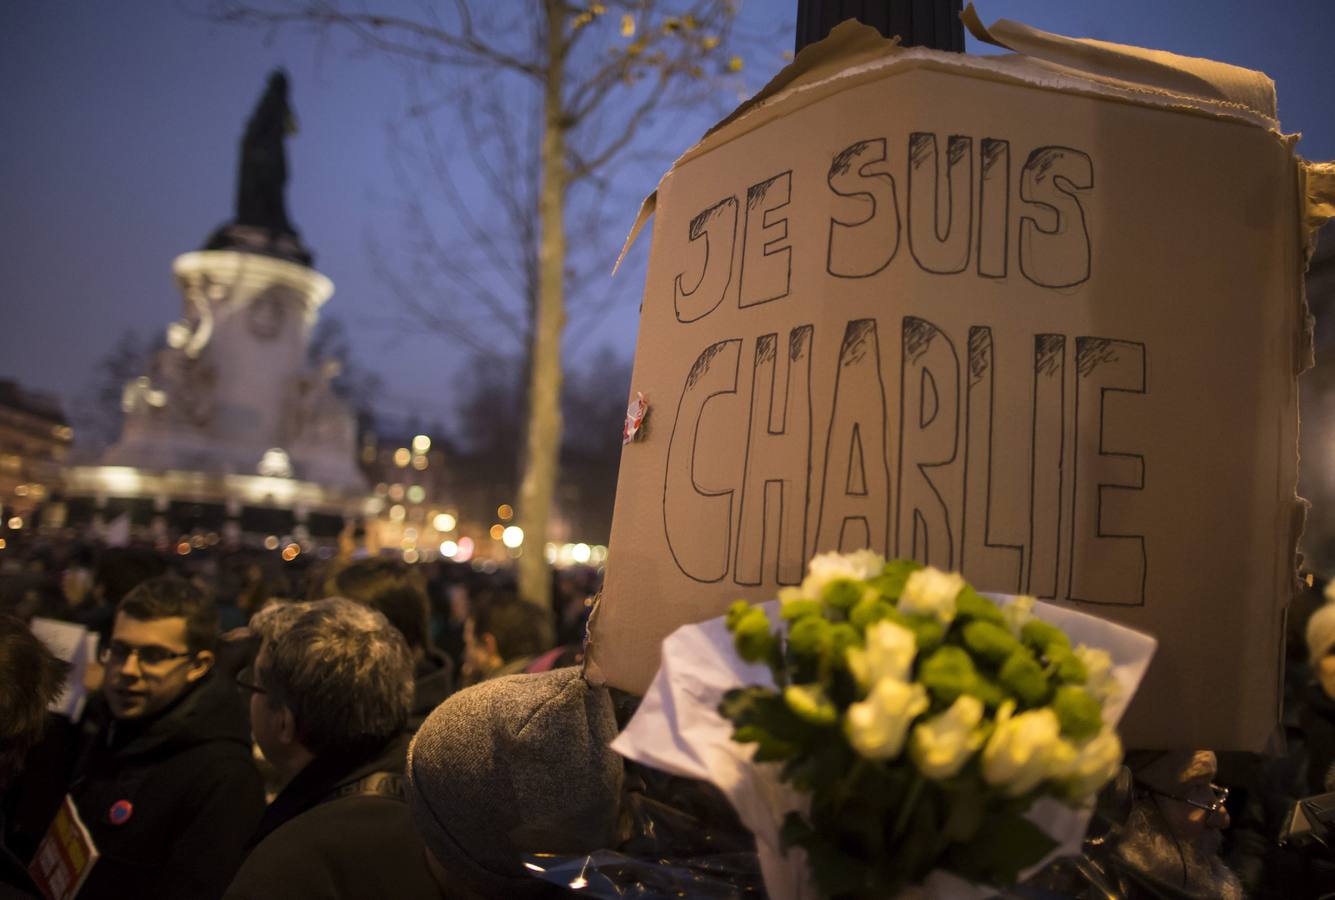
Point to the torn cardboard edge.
(1183, 76)
(854, 53)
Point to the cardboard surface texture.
(1039, 325)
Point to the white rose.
(1022, 750)
(877, 726)
(1098, 667)
(827, 567)
(889, 654)
(1017, 612)
(942, 745)
(1093, 765)
(931, 592)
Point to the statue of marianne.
(263, 176)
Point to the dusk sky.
(119, 132)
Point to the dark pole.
(919, 23)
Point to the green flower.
(738, 609)
(1042, 638)
(809, 636)
(988, 691)
(948, 673)
(972, 605)
(872, 609)
(810, 704)
(929, 632)
(1068, 667)
(1080, 715)
(890, 583)
(793, 610)
(752, 636)
(842, 593)
(1023, 676)
(843, 637)
(990, 642)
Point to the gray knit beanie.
(512, 766)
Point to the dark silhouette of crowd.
(247, 724)
(360, 727)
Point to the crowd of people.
(361, 727)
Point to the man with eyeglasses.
(331, 690)
(166, 786)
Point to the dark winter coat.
(14, 881)
(1318, 723)
(335, 833)
(171, 802)
(433, 682)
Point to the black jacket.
(329, 835)
(1318, 723)
(433, 682)
(15, 884)
(193, 796)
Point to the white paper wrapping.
(678, 729)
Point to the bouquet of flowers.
(884, 726)
(922, 719)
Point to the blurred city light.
(505, 512)
(421, 443)
(397, 512)
(512, 537)
(465, 550)
(15, 523)
(581, 553)
(416, 494)
(496, 531)
(444, 522)
(271, 542)
(402, 457)
(449, 549)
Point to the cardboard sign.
(993, 315)
(66, 855)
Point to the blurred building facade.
(35, 439)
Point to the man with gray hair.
(331, 690)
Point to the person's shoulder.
(332, 848)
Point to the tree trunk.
(541, 459)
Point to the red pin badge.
(120, 812)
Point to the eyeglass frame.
(110, 655)
(1219, 804)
